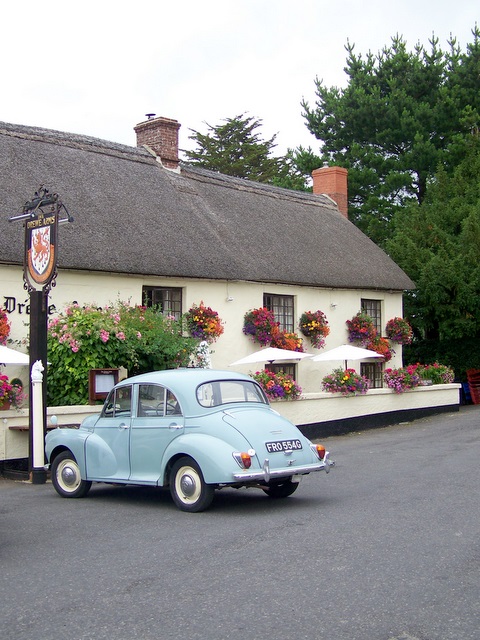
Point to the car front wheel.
(282, 489)
(66, 477)
(188, 488)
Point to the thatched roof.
(134, 216)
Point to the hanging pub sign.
(41, 224)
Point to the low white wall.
(323, 407)
(312, 408)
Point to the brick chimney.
(161, 135)
(332, 181)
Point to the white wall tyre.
(66, 477)
(188, 488)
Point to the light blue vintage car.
(193, 430)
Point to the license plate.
(283, 445)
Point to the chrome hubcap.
(69, 477)
(188, 485)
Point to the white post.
(38, 449)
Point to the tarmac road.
(385, 547)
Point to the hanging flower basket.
(260, 325)
(204, 323)
(381, 346)
(284, 340)
(361, 329)
(314, 325)
(277, 385)
(4, 327)
(399, 330)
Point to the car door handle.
(124, 426)
(174, 425)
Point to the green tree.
(437, 243)
(236, 148)
(401, 115)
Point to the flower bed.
(11, 393)
(415, 375)
(277, 385)
(345, 381)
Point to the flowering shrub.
(11, 394)
(260, 324)
(204, 323)
(4, 327)
(399, 330)
(135, 337)
(277, 385)
(437, 373)
(361, 329)
(345, 381)
(314, 325)
(402, 379)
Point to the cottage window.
(290, 369)
(374, 309)
(372, 371)
(282, 307)
(167, 299)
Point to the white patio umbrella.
(270, 354)
(346, 352)
(10, 356)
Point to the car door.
(107, 450)
(158, 420)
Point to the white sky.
(97, 67)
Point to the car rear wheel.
(188, 488)
(66, 477)
(281, 489)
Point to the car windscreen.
(218, 392)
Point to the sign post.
(41, 216)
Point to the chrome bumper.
(266, 474)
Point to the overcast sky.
(97, 67)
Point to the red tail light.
(243, 459)
(246, 460)
(320, 451)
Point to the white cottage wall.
(230, 299)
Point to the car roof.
(185, 377)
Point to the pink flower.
(120, 335)
(104, 335)
(139, 335)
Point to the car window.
(151, 400)
(118, 403)
(155, 400)
(218, 392)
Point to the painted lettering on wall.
(11, 305)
